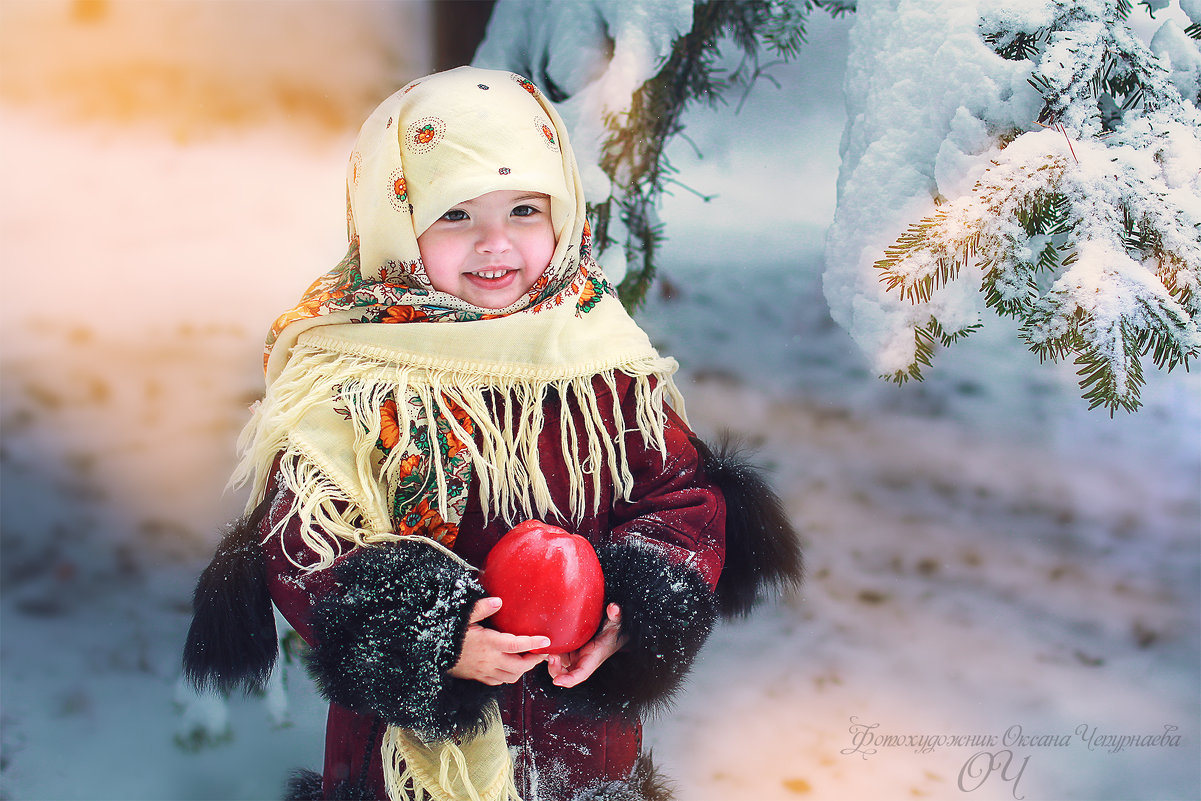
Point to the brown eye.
(524, 211)
(454, 215)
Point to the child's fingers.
(501, 643)
(484, 608)
(578, 672)
(558, 665)
(580, 666)
(590, 657)
(514, 666)
(519, 644)
(613, 626)
(505, 668)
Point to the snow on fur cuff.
(667, 612)
(389, 632)
(645, 783)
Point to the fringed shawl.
(486, 383)
(384, 427)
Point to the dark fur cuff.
(762, 550)
(389, 632)
(304, 785)
(232, 642)
(645, 783)
(667, 612)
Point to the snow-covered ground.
(988, 562)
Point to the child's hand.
(568, 670)
(491, 656)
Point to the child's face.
(491, 249)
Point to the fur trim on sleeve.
(304, 785)
(667, 612)
(388, 633)
(762, 549)
(645, 783)
(232, 641)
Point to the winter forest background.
(1004, 587)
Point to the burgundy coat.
(661, 552)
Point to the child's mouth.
(499, 278)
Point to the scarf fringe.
(322, 390)
(409, 766)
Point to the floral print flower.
(389, 433)
(404, 314)
(409, 465)
(424, 134)
(424, 520)
(526, 84)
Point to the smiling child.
(466, 367)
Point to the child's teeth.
(491, 274)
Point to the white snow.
(925, 97)
(928, 103)
(985, 557)
(1181, 56)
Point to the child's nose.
(494, 238)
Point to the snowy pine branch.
(836, 8)
(1092, 246)
(1087, 232)
(1090, 68)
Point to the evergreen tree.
(1087, 232)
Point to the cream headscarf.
(439, 141)
(383, 427)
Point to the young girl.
(466, 367)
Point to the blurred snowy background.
(986, 558)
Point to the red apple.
(550, 583)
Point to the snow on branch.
(1082, 243)
(1083, 221)
(1091, 68)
